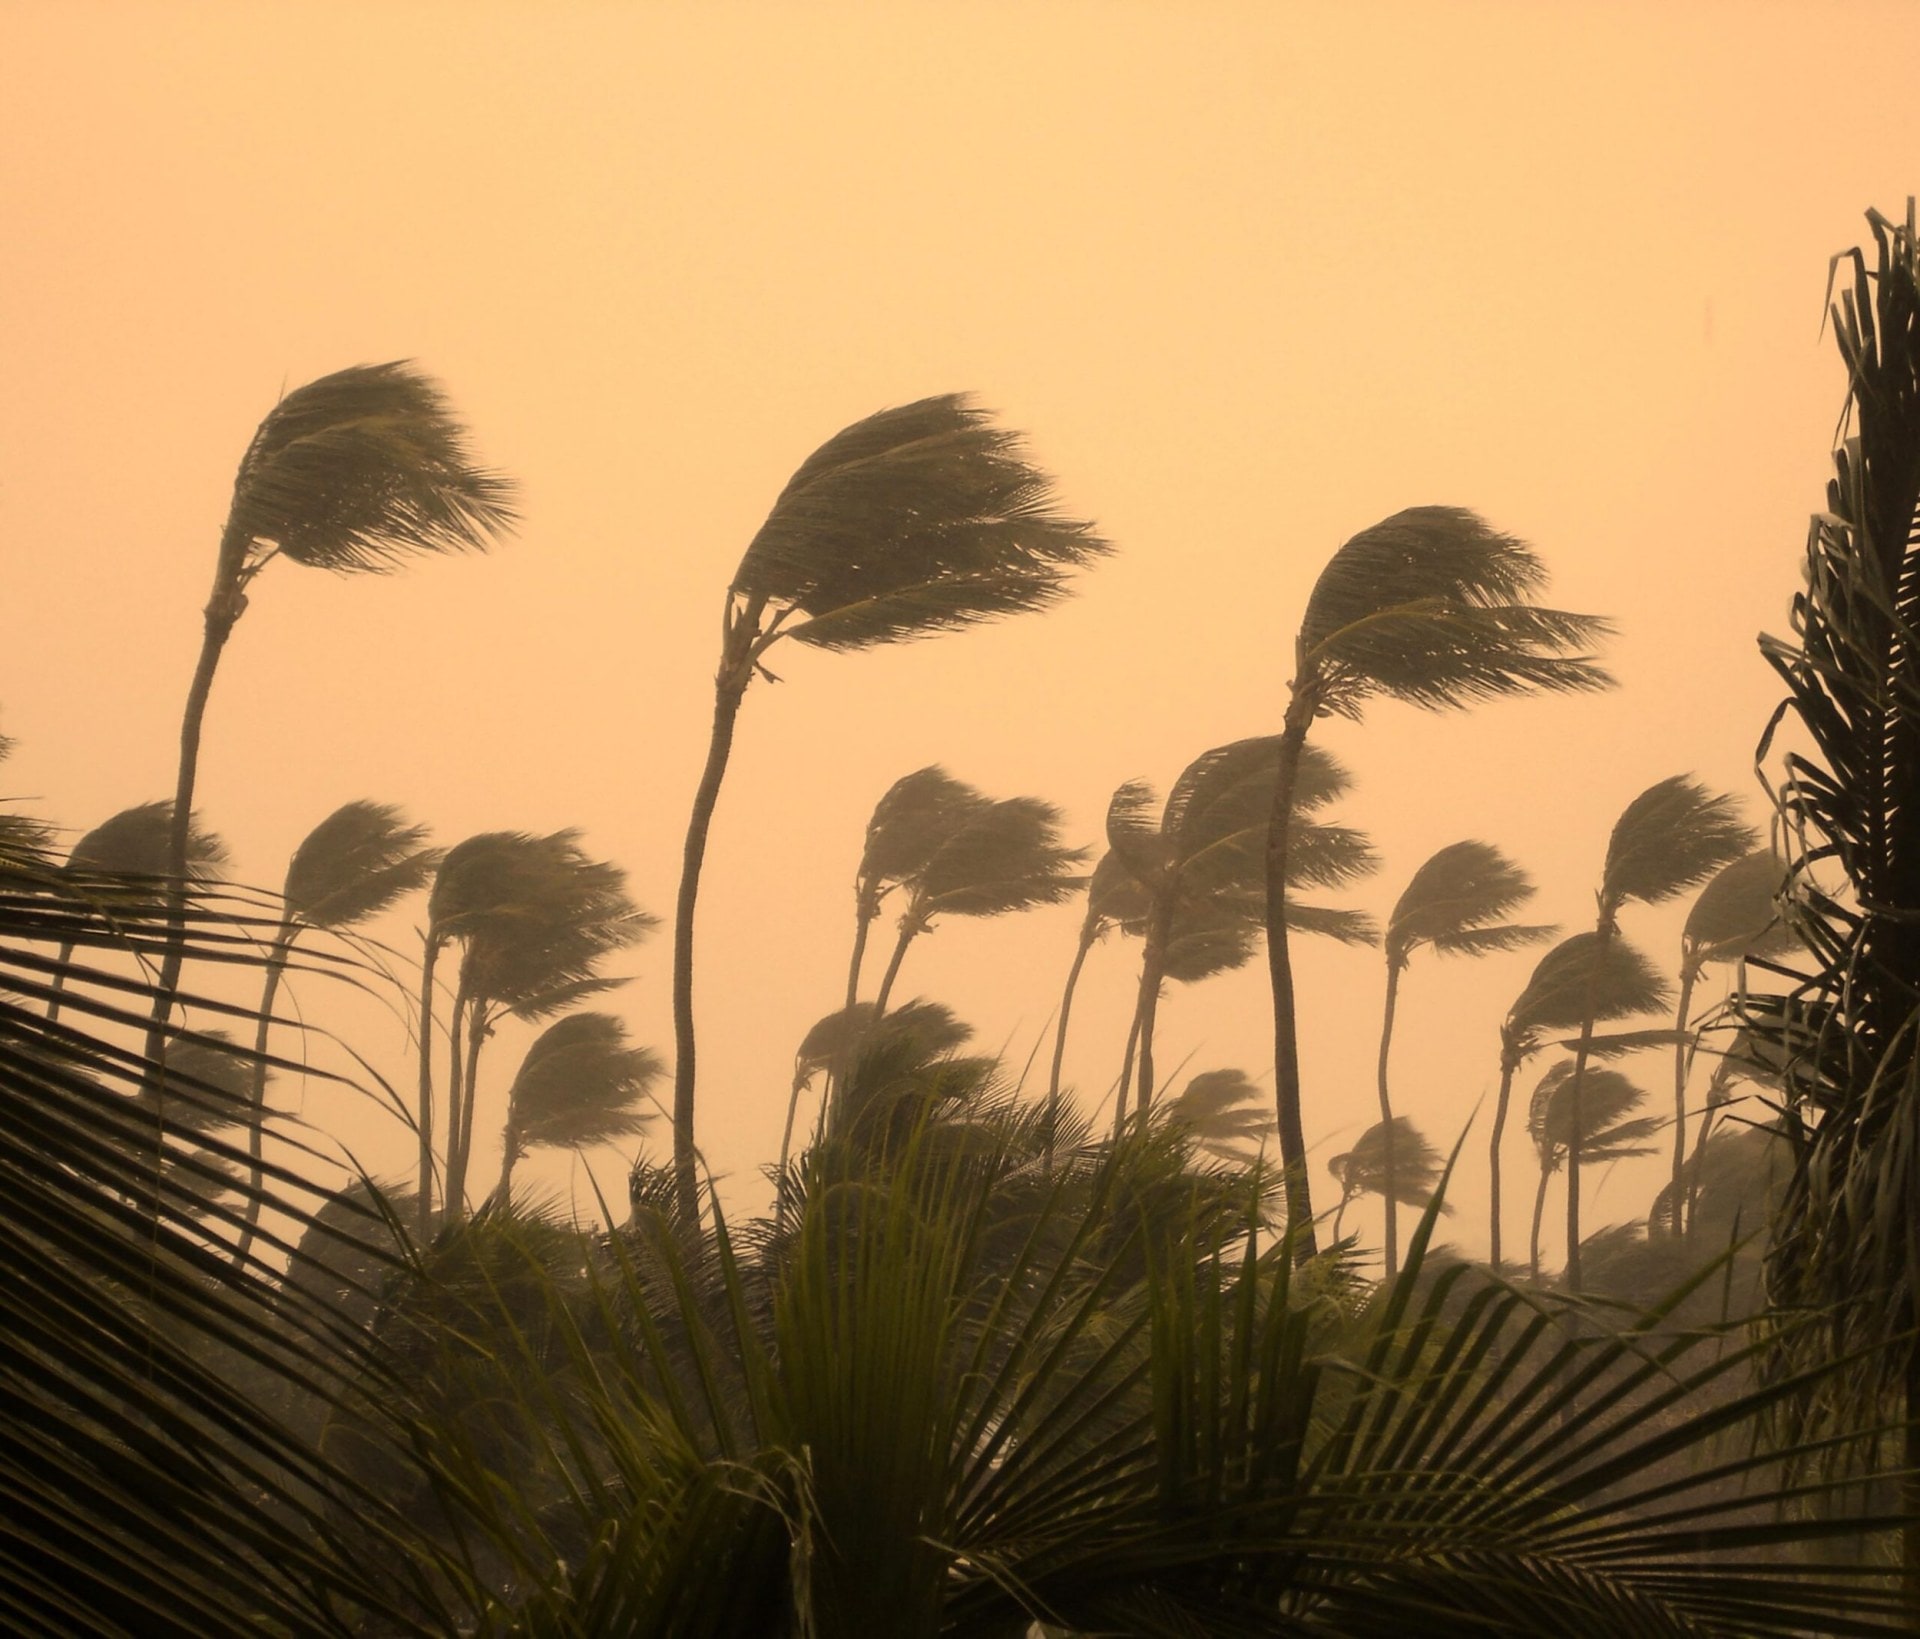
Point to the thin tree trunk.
(1386, 1117)
(730, 687)
(1340, 1212)
(1539, 1212)
(478, 1028)
(277, 960)
(863, 920)
(1060, 1039)
(1699, 1150)
(58, 983)
(1507, 1067)
(908, 928)
(509, 1154)
(786, 1152)
(424, 1113)
(1689, 971)
(1603, 941)
(1152, 964)
(1126, 1075)
(1286, 1043)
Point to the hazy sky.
(1249, 277)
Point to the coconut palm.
(355, 473)
(353, 865)
(1673, 836)
(1224, 1115)
(998, 857)
(1736, 915)
(920, 519)
(579, 1084)
(1202, 861)
(1565, 1119)
(1581, 974)
(1416, 1167)
(1430, 606)
(121, 865)
(1457, 904)
(1115, 898)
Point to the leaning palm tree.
(1201, 865)
(353, 865)
(121, 865)
(1224, 1115)
(1415, 1168)
(921, 519)
(1580, 975)
(579, 1084)
(1114, 899)
(1672, 836)
(999, 857)
(1433, 607)
(354, 473)
(1595, 1122)
(1457, 904)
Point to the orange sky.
(1250, 278)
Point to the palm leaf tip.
(355, 863)
(363, 468)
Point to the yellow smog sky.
(1248, 277)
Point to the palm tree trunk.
(1152, 965)
(1386, 1117)
(1340, 1212)
(1539, 1212)
(1286, 1042)
(1699, 1150)
(863, 920)
(465, 1098)
(277, 960)
(1689, 971)
(908, 928)
(1603, 934)
(1126, 1075)
(786, 1152)
(730, 687)
(424, 1113)
(1060, 1040)
(58, 983)
(1508, 1065)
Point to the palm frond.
(1417, 1167)
(133, 844)
(1738, 912)
(580, 1083)
(1612, 974)
(1672, 836)
(1006, 856)
(1458, 902)
(355, 863)
(1606, 1132)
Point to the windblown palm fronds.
(1390, 1159)
(1567, 1118)
(580, 1083)
(1225, 1115)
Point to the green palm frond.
(21, 836)
(1619, 981)
(1605, 1131)
(133, 844)
(1225, 1115)
(912, 818)
(919, 519)
(580, 1083)
(355, 863)
(1672, 836)
(1005, 856)
(932, 1026)
(361, 469)
(1458, 902)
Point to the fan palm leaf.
(1434, 607)
(922, 518)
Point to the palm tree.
(579, 1084)
(1735, 916)
(917, 813)
(1415, 1175)
(121, 865)
(1564, 1120)
(999, 857)
(920, 519)
(1581, 974)
(1672, 836)
(1114, 899)
(1224, 1115)
(1201, 866)
(354, 473)
(1430, 606)
(1457, 904)
(353, 865)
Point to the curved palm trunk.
(908, 928)
(464, 1099)
(1126, 1075)
(1689, 971)
(1699, 1151)
(786, 1152)
(1340, 1212)
(1286, 1041)
(423, 1114)
(1603, 940)
(57, 985)
(730, 687)
(1060, 1039)
(277, 960)
(1539, 1212)
(1386, 1116)
(863, 920)
(1508, 1065)
(1152, 974)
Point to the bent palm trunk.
(1581, 1052)
(423, 1115)
(1286, 1044)
(1689, 971)
(277, 960)
(1507, 1067)
(1060, 1043)
(1386, 1117)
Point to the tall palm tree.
(1430, 606)
(121, 865)
(1672, 836)
(1580, 973)
(920, 519)
(1415, 1172)
(1563, 1122)
(1457, 904)
(1736, 915)
(579, 1084)
(999, 857)
(354, 473)
(915, 815)
(353, 865)
(1202, 864)
(1114, 899)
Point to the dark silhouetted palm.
(1673, 836)
(1579, 975)
(353, 473)
(1457, 904)
(920, 519)
(579, 1084)
(1115, 898)
(1595, 1123)
(1225, 1116)
(1363, 1169)
(353, 865)
(1433, 607)
(998, 857)
(23, 839)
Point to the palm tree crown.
(580, 1083)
